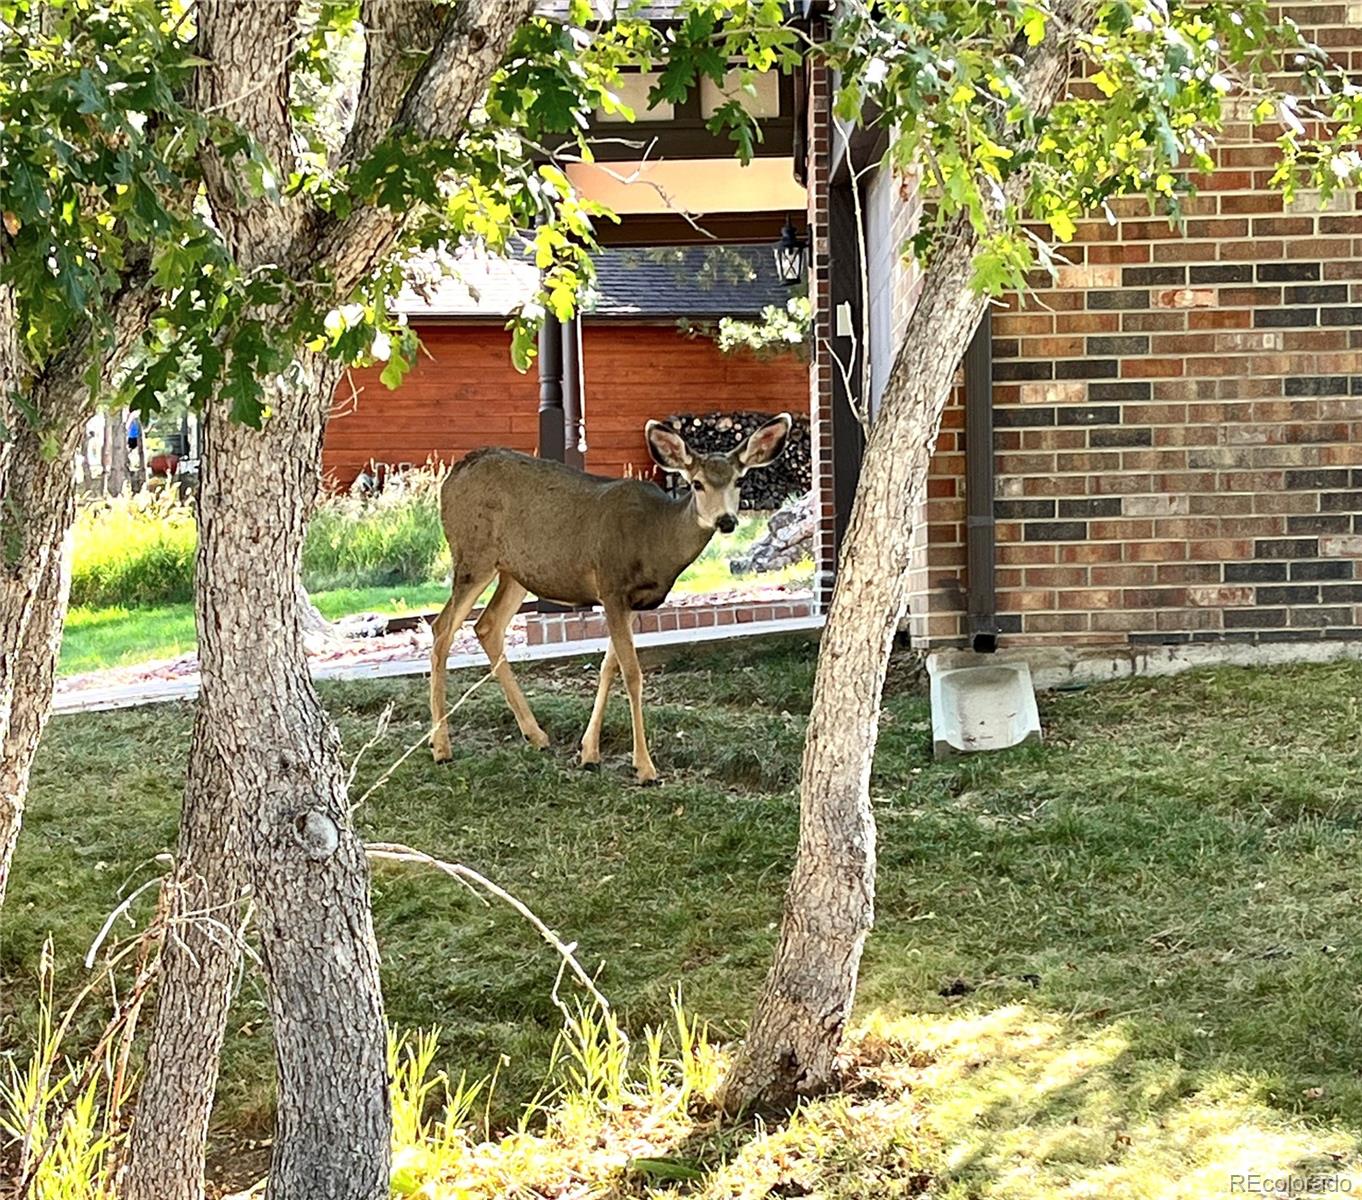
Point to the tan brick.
(1069, 392)
(1154, 506)
(1155, 551)
(1090, 598)
(1185, 298)
(1090, 276)
(1343, 545)
(1119, 621)
(1308, 203)
(1219, 597)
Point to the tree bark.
(266, 809)
(38, 440)
(208, 898)
(115, 454)
(795, 1037)
(37, 500)
(37, 505)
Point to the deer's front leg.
(591, 739)
(618, 618)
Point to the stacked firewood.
(768, 488)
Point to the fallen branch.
(395, 852)
(415, 746)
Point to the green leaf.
(1062, 226)
(524, 343)
(91, 96)
(1033, 26)
(395, 371)
(243, 394)
(660, 1167)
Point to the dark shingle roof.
(653, 281)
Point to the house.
(1163, 445)
(631, 357)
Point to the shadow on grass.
(1148, 926)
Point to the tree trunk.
(263, 747)
(208, 902)
(265, 752)
(795, 1037)
(114, 458)
(796, 1033)
(37, 505)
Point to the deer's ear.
(765, 445)
(668, 448)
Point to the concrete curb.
(657, 646)
(1060, 667)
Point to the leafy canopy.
(101, 187)
(101, 191)
(1162, 79)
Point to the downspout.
(572, 391)
(980, 531)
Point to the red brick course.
(1178, 418)
(544, 629)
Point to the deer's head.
(715, 479)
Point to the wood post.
(848, 435)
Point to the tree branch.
(398, 36)
(436, 105)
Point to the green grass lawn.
(1125, 963)
(97, 638)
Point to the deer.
(534, 525)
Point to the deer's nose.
(727, 523)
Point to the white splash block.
(986, 705)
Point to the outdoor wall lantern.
(790, 252)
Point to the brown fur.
(578, 539)
(565, 535)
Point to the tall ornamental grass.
(376, 541)
(135, 551)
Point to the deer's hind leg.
(468, 587)
(591, 739)
(619, 617)
(491, 631)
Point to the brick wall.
(1178, 422)
(547, 629)
(464, 393)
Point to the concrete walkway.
(161, 691)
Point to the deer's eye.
(697, 485)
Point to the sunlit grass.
(97, 638)
(1122, 963)
(120, 635)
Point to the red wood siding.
(467, 394)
